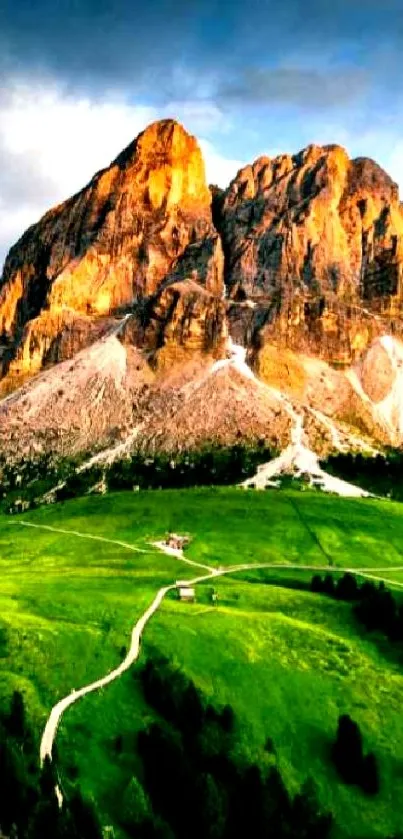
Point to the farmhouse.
(177, 542)
(186, 593)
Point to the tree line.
(191, 782)
(374, 605)
(191, 779)
(381, 474)
(215, 465)
(26, 484)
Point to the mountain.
(114, 242)
(317, 241)
(123, 311)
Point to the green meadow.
(287, 660)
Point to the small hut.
(173, 540)
(187, 594)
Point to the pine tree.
(369, 775)
(48, 779)
(347, 588)
(347, 750)
(16, 721)
(84, 817)
(135, 804)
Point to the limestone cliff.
(113, 242)
(317, 240)
(181, 320)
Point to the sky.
(80, 78)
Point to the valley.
(287, 660)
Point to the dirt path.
(52, 724)
(58, 710)
(328, 569)
(177, 553)
(81, 535)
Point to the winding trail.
(58, 710)
(55, 716)
(80, 534)
(53, 721)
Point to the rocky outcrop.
(146, 216)
(317, 240)
(50, 338)
(202, 262)
(182, 320)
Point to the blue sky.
(79, 79)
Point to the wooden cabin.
(187, 594)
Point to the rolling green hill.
(289, 661)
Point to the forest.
(375, 607)
(381, 474)
(34, 482)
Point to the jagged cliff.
(300, 260)
(316, 240)
(147, 215)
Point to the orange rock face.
(316, 239)
(48, 339)
(116, 240)
(182, 320)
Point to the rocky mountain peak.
(301, 257)
(317, 223)
(168, 162)
(113, 243)
(366, 175)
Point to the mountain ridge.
(299, 260)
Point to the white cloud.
(220, 170)
(199, 116)
(52, 143)
(50, 146)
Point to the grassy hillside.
(231, 525)
(288, 661)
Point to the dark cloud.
(136, 46)
(307, 89)
(100, 43)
